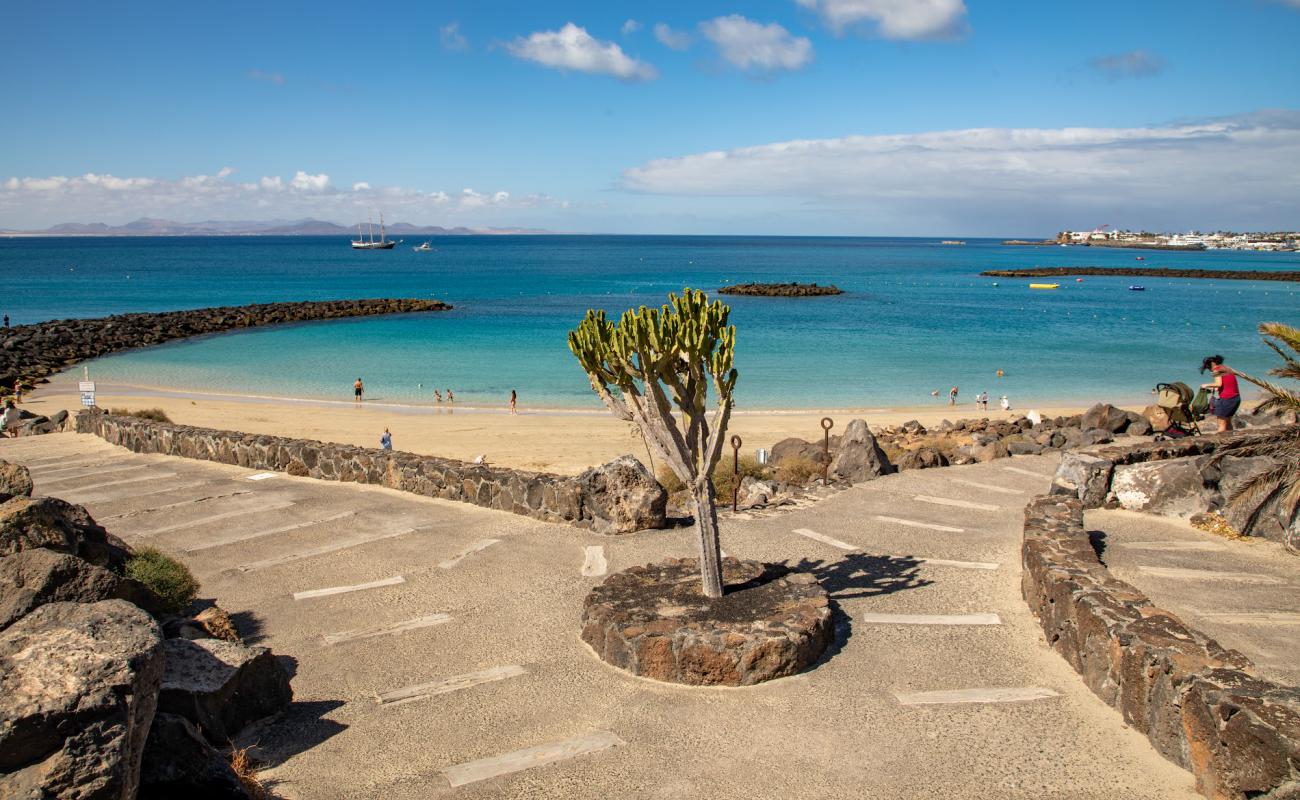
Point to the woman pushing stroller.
(1225, 384)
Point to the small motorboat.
(1044, 286)
(1078, 280)
(1136, 288)
(1141, 258)
(424, 248)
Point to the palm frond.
(1283, 444)
(1255, 493)
(1276, 398)
(1285, 333)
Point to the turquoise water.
(916, 317)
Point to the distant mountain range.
(147, 226)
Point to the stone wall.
(1202, 706)
(30, 352)
(619, 497)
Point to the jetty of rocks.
(31, 352)
(781, 290)
(1147, 272)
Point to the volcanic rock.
(49, 522)
(622, 496)
(859, 457)
(78, 688)
(15, 481)
(221, 687)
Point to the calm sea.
(916, 316)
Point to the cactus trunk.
(706, 526)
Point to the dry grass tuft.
(155, 414)
(798, 470)
(246, 771)
(1217, 525)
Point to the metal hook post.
(827, 424)
(735, 473)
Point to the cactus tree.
(658, 359)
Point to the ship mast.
(381, 227)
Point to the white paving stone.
(482, 544)
(1173, 547)
(243, 537)
(519, 760)
(988, 487)
(929, 619)
(947, 501)
(929, 526)
(1030, 473)
(1175, 573)
(359, 587)
(824, 539)
(325, 549)
(988, 695)
(392, 629)
(194, 523)
(448, 685)
(593, 561)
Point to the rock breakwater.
(31, 352)
(781, 290)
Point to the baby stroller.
(1179, 405)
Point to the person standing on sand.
(952, 396)
(451, 398)
(358, 389)
(386, 440)
(514, 398)
(437, 396)
(1224, 408)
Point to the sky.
(816, 117)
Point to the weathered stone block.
(221, 686)
(78, 688)
(621, 497)
(1174, 488)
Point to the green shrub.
(798, 470)
(722, 476)
(155, 414)
(166, 577)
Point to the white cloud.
(894, 19)
(1133, 64)
(43, 201)
(752, 45)
(451, 37)
(1246, 168)
(572, 48)
(630, 27)
(309, 183)
(673, 40)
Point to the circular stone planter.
(654, 621)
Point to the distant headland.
(148, 226)
(780, 290)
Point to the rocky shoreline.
(781, 290)
(30, 353)
(1145, 272)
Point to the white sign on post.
(87, 389)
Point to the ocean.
(916, 316)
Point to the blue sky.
(871, 117)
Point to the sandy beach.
(550, 440)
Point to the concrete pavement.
(431, 662)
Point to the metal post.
(735, 474)
(827, 424)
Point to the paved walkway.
(1245, 593)
(436, 645)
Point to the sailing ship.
(362, 243)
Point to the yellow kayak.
(1044, 286)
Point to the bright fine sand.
(566, 442)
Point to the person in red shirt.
(1225, 384)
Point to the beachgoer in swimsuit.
(952, 396)
(451, 398)
(357, 390)
(437, 396)
(1225, 383)
(514, 398)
